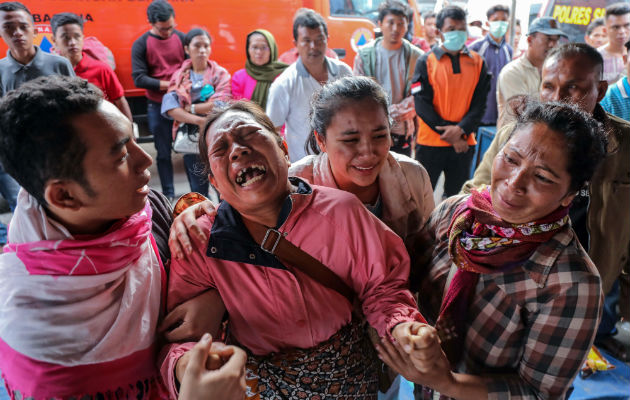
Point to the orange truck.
(118, 23)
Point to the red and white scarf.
(73, 301)
(480, 242)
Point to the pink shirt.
(271, 308)
(243, 85)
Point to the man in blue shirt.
(497, 53)
(617, 99)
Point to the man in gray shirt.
(391, 61)
(24, 61)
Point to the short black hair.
(517, 22)
(430, 14)
(310, 19)
(14, 6)
(627, 45)
(333, 96)
(65, 18)
(586, 140)
(159, 11)
(37, 140)
(596, 23)
(452, 12)
(621, 8)
(194, 33)
(571, 50)
(394, 7)
(497, 8)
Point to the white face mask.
(475, 31)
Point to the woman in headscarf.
(261, 68)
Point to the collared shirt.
(13, 74)
(614, 66)
(449, 90)
(617, 100)
(531, 326)
(275, 306)
(519, 77)
(497, 56)
(289, 101)
(609, 190)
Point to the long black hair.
(332, 97)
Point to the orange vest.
(452, 93)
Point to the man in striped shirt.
(616, 101)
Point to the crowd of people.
(327, 267)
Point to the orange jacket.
(449, 90)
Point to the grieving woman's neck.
(267, 212)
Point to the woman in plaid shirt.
(520, 298)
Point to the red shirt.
(101, 75)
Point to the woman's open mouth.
(364, 169)
(250, 175)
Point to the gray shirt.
(289, 101)
(389, 69)
(13, 74)
(390, 72)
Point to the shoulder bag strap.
(273, 241)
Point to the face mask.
(475, 31)
(498, 28)
(454, 40)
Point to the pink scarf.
(87, 255)
(89, 294)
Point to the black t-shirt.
(579, 213)
(162, 220)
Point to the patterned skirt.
(342, 367)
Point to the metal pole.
(513, 23)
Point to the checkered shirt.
(529, 330)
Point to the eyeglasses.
(259, 48)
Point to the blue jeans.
(9, 188)
(196, 177)
(162, 130)
(606, 326)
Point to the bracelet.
(192, 109)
